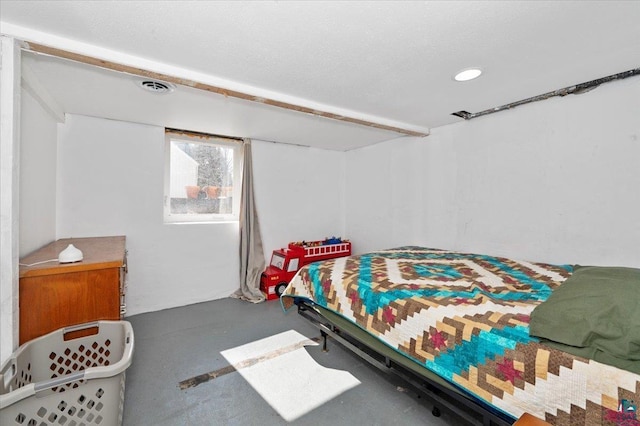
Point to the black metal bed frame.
(458, 403)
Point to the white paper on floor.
(284, 374)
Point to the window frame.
(198, 138)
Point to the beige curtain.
(252, 262)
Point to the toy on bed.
(468, 325)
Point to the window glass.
(202, 179)
(277, 260)
(293, 265)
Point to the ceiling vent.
(155, 86)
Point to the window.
(202, 178)
(293, 265)
(277, 260)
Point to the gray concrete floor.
(176, 344)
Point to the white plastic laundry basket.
(80, 381)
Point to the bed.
(485, 334)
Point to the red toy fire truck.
(285, 262)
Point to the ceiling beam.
(89, 60)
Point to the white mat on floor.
(284, 374)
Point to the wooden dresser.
(55, 295)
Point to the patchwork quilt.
(466, 318)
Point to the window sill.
(201, 222)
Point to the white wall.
(37, 176)
(299, 193)
(9, 201)
(110, 182)
(385, 190)
(556, 181)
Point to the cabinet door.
(60, 300)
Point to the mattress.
(465, 317)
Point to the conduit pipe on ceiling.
(571, 90)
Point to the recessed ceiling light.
(468, 74)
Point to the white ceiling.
(390, 61)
